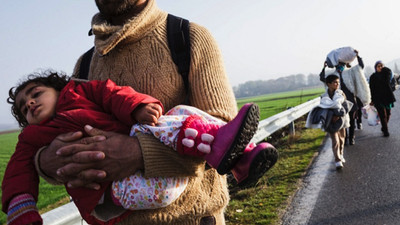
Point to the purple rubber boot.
(256, 160)
(232, 139)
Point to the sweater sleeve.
(160, 160)
(209, 88)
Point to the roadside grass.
(262, 204)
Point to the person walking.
(332, 116)
(382, 96)
(351, 81)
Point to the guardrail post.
(292, 130)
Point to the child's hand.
(147, 113)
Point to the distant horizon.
(9, 127)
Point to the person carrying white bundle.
(345, 55)
(354, 85)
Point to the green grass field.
(272, 104)
(259, 205)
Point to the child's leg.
(137, 193)
(230, 143)
(169, 125)
(166, 130)
(342, 138)
(227, 141)
(251, 161)
(336, 145)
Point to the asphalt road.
(366, 191)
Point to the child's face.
(334, 85)
(37, 102)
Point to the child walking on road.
(332, 116)
(47, 105)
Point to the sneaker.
(342, 159)
(339, 165)
(359, 126)
(352, 142)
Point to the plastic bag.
(344, 54)
(370, 113)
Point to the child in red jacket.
(49, 104)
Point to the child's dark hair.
(329, 79)
(47, 78)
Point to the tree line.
(288, 83)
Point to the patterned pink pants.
(136, 192)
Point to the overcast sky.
(261, 39)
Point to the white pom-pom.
(204, 148)
(188, 142)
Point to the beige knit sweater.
(137, 55)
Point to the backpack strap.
(85, 64)
(179, 45)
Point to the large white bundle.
(344, 54)
(355, 81)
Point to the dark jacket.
(379, 84)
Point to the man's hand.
(147, 113)
(105, 156)
(49, 162)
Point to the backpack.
(178, 43)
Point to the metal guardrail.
(68, 214)
(270, 125)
